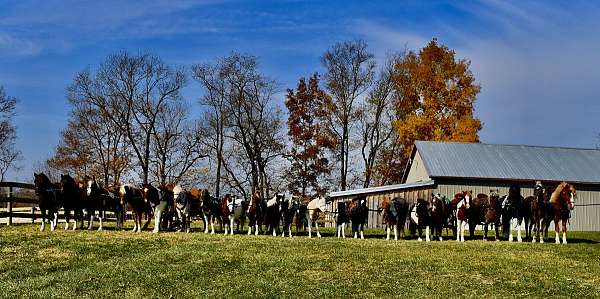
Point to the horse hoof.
(420, 240)
(484, 239)
(541, 241)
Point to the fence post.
(10, 194)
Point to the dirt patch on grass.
(55, 253)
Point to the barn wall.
(417, 171)
(585, 216)
(374, 219)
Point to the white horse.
(313, 210)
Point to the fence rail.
(11, 199)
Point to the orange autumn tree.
(436, 94)
(310, 137)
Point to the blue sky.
(537, 62)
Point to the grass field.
(124, 264)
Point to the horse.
(311, 212)
(394, 215)
(187, 205)
(101, 199)
(491, 214)
(49, 198)
(273, 214)
(439, 215)
(342, 219)
(420, 217)
(134, 197)
(536, 206)
(254, 212)
(232, 208)
(73, 197)
(512, 208)
(289, 210)
(211, 211)
(358, 211)
(562, 202)
(158, 200)
(461, 203)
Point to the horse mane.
(556, 194)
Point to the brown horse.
(461, 203)
(562, 201)
(254, 213)
(536, 206)
(394, 215)
(134, 198)
(439, 216)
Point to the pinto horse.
(134, 198)
(342, 219)
(49, 198)
(358, 211)
(159, 199)
(420, 217)
(232, 208)
(439, 216)
(394, 215)
(461, 203)
(289, 209)
(73, 200)
(254, 212)
(273, 214)
(101, 199)
(562, 202)
(188, 204)
(512, 209)
(211, 212)
(311, 212)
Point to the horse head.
(41, 182)
(569, 193)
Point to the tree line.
(352, 125)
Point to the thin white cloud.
(538, 69)
(13, 46)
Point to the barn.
(450, 167)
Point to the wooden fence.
(11, 198)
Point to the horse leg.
(43, 211)
(459, 224)
(564, 231)
(427, 234)
(556, 230)
(67, 218)
(462, 231)
(250, 227)
(231, 220)
(395, 232)
(101, 215)
(309, 220)
(510, 235)
(157, 215)
(519, 222)
(485, 231)
(388, 232)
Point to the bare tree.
(177, 146)
(241, 112)
(376, 118)
(9, 155)
(131, 90)
(214, 81)
(349, 73)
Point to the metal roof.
(513, 162)
(387, 188)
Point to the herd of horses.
(174, 207)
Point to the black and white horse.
(342, 219)
(420, 217)
(310, 213)
(512, 211)
(189, 204)
(358, 212)
(100, 199)
(273, 215)
(158, 199)
(289, 209)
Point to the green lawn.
(124, 264)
